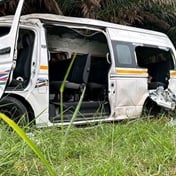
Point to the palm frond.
(90, 8)
(68, 6)
(30, 6)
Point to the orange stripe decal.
(43, 67)
(131, 71)
(138, 72)
(173, 73)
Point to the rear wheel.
(15, 110)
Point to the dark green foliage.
(157, 15)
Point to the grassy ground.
(145, 147)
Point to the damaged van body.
(116, 70)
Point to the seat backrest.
(80, 69)
(99, 72)
(57, 70)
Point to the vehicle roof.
(116, 31)
(51, 18)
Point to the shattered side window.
(158, 62)
(124, 54)
(147, 55)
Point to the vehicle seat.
(98, 79)
(78, 76)
(58, 69)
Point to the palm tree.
(80, 8)
(30, 6)
(150, 14)
(157, 15)
(154, 14)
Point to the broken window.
(150, 55)
(158, 61)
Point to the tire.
(15, 110)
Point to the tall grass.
(31, 144)
(145, 147)
(62, 87)
(64, 135)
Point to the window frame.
(132, 52)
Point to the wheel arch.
(25, 103)
(150, 107)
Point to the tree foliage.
(8, 7)
(157, 15)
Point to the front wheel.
(14, 109)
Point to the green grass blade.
(74, 114)
(32, 145)
(63, 85)
(67, 73)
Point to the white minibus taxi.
(52, 67)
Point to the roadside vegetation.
(142, 147)
(159, 15)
